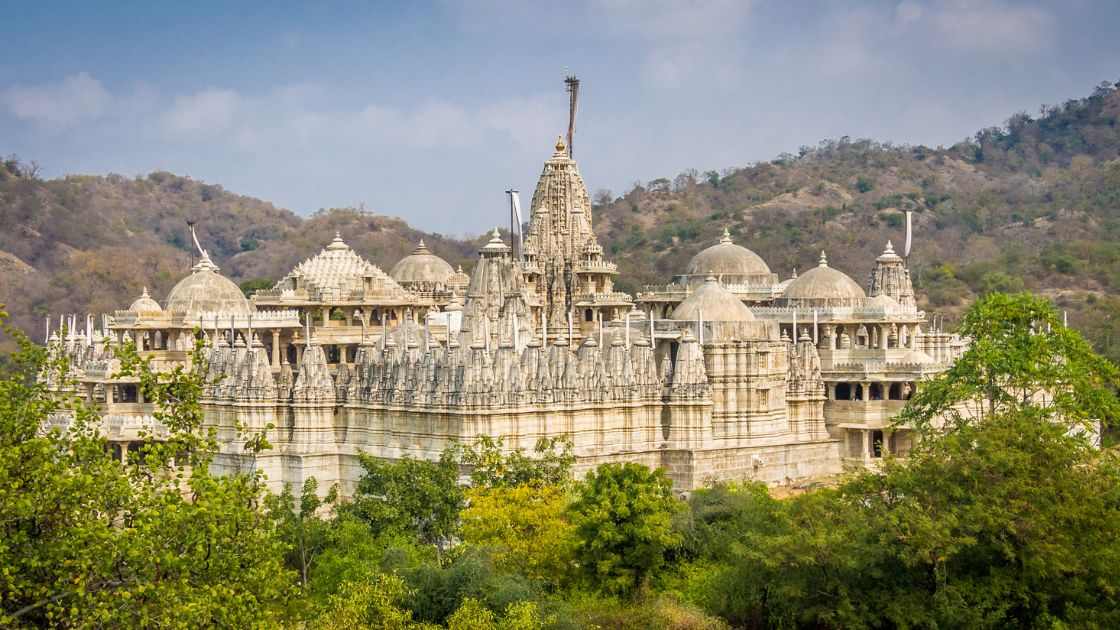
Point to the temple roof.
(713, 303)
(727, 258)
(421, 266)
(824, 283)
(335, 269)
(207, 291)
(145, 304)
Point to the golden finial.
(560, 146)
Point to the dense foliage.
(159, 541)
(1005, 514)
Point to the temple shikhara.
(724, 372)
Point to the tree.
(1020, 356)
(373, 603)
(550, 464)
(526, 527)
(473, 615)
(301, 527)
(1004, 515)
(624, 519)
(411, 496)
(87, 541)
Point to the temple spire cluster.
(725, 372)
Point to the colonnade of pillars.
(868, 444)
(867, 336)
(870, 391)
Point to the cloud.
(74, 99)
(209, 111)
(682, 40)
(980, 26)
(528, 121)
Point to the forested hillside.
(1034, 204)
(90, 244)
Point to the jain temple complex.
(726, 372)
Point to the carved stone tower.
(562, 259)
(890, 277)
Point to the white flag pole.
(909, 233)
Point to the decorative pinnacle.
(889, 249)
(726, 238)
(561, 148)
(337, 242)
(824, 260)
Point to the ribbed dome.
(335, 272)
(145, 304)
(205, 291)
(727, 258)
(421, 266)
(824, 283)
(714, 303)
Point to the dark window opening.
(843, 391)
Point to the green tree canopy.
(624, 516)
(1004, 516)
(87, 541)
(410, 495)
(1020, 355)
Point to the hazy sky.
(430, 111)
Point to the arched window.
(875, 392)
(843, 391)
(588, 316)
(859, 392)
(895, 391)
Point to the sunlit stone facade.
(724, 373)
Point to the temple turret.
(890, 277)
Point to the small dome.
(714, 303)
(882, 301)
(145, 304)
(421, 266)
(824, 283)
(888, 254)
(205, 291)
(459, 280)
(727, 258)
(496, 246)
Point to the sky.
(430, 111)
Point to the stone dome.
(145, 304)
(727, 259)
(205, 291)
(714, 303)
(883, 301)
(421, 267)
(825, 284)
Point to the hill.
(1031, 205)
(90, 244)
